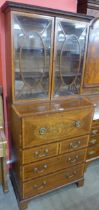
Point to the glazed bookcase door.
(91, 78)
(32, 45)
(69, 55)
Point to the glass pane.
(70, 46)
(32, 44)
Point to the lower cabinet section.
(50, 147)
(47, 183)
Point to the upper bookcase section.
(45, 52)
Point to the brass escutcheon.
(42, 131)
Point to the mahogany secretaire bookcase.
(49, 78)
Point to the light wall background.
(67, 5)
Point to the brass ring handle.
(40, 170)
(41, 186)
(77, 124)
(75, 144)
(69, 176)
(42, 131)
(39, 155)
(73, 160)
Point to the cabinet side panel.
(16, 142)
(8, 56)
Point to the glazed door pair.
(48, 56)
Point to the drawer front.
(48, 128)
(95, 131)
(53, 164)
(39, 153)
(95, 123)
(52, 181)
(93, 152)
(94, 139)
(73, 144)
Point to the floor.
(67, 198)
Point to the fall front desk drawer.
(39, 153)
(53, 164)
(47, 128)
(47, 183)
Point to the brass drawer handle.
(38, 154)
(41, 186)
(91, 152)
(40, 170)
(94, 132)
(93, 141)
(77, 124)
(69, 176)
(42, 131)
(74, 145)
(73, 160)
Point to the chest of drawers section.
(50, 149)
